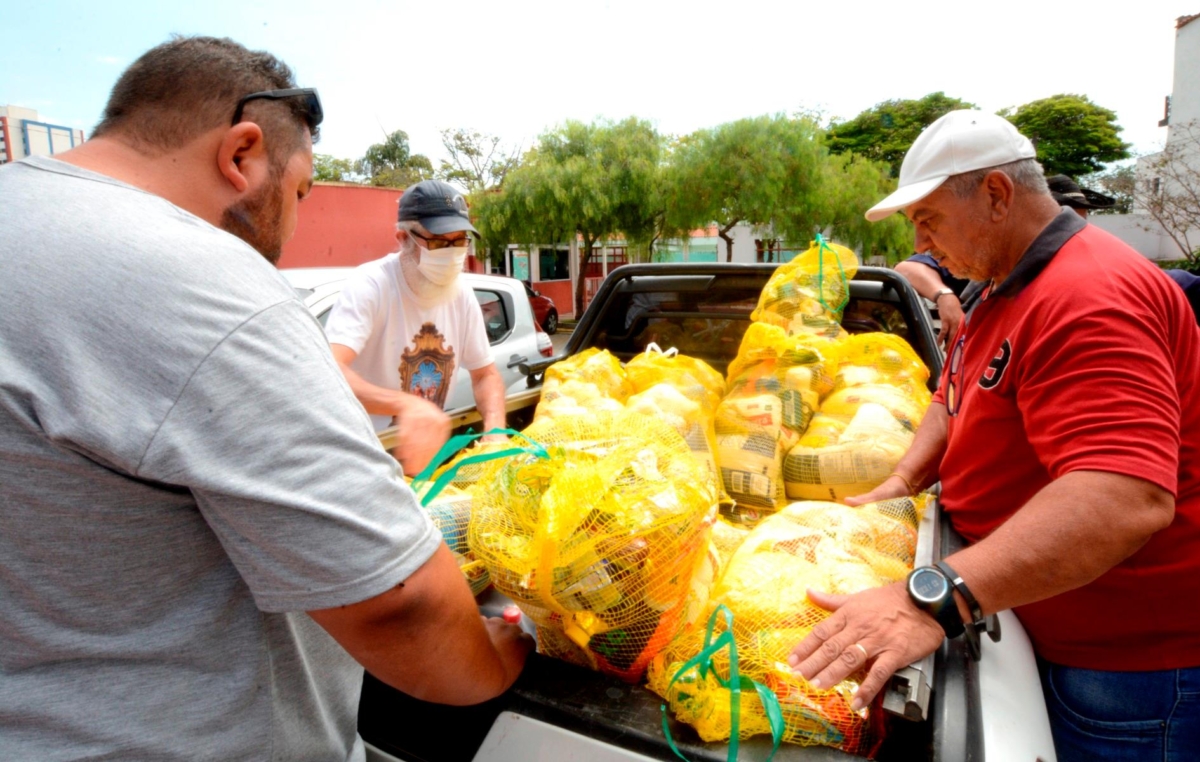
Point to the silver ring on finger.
(860, 647)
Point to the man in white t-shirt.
(403, 324)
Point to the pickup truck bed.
(703, 309)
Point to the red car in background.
(544, 311)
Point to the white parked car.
(515, 337)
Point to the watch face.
(928, 584)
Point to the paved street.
(560, 340)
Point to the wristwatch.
(942, 292)
(932, 592)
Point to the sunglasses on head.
(312, 103)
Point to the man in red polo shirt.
(1066, 435)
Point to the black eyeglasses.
(313, 114)
(433, 244)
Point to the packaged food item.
(774, 389)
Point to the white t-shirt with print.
(401, 345)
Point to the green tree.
(581, 180)
(849, 185)
(1073, 136)
(477, 161)
(776, 174)
(327, 168)
(758, 170)
(392, 163)
(885, 131)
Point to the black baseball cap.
(1067, 193)
(438, 206)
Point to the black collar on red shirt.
(1043, 249)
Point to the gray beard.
(427, 293)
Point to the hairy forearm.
(1074, 530)
(488, 386)
(377, 400)
(923, 278)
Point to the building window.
(554, 264)
(617, 256)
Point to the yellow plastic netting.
(826, 546)
(590, 380)
(775, 386)
(865, 426)
(683, 391)
(808, 294)
(605, 543)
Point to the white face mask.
(444, 265)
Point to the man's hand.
(423, 429)
(892, 487)
(425, 637)
(879, 627)
(950, 312)
(512, 643)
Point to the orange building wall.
(560, 293)
(343, 225)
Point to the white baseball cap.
(961, 141)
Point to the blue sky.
(516, 68)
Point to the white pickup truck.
(947, 707)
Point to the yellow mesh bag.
(693, 377)
(826, 546)
(865, 426)
(599, 542)
(880, 358)
(808, 294)
(775, 386)
(593, 367)
(683, 391)
(858, 459)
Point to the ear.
(1000, 191)
(242, 156)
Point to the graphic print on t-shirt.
(426, 368)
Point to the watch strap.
(960, 585)
(942, 292)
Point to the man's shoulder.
(377, 272)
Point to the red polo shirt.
(1086, 358)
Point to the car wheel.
(551, 325)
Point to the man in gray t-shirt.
(184, 471)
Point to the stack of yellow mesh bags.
(786, 363)
(825, 546)
(812, 412)
(604, 543)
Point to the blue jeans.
(1121, 716)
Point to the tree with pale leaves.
(478, 161)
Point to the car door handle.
(516, 360)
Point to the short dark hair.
(187, 86)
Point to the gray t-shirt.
(181, 466)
